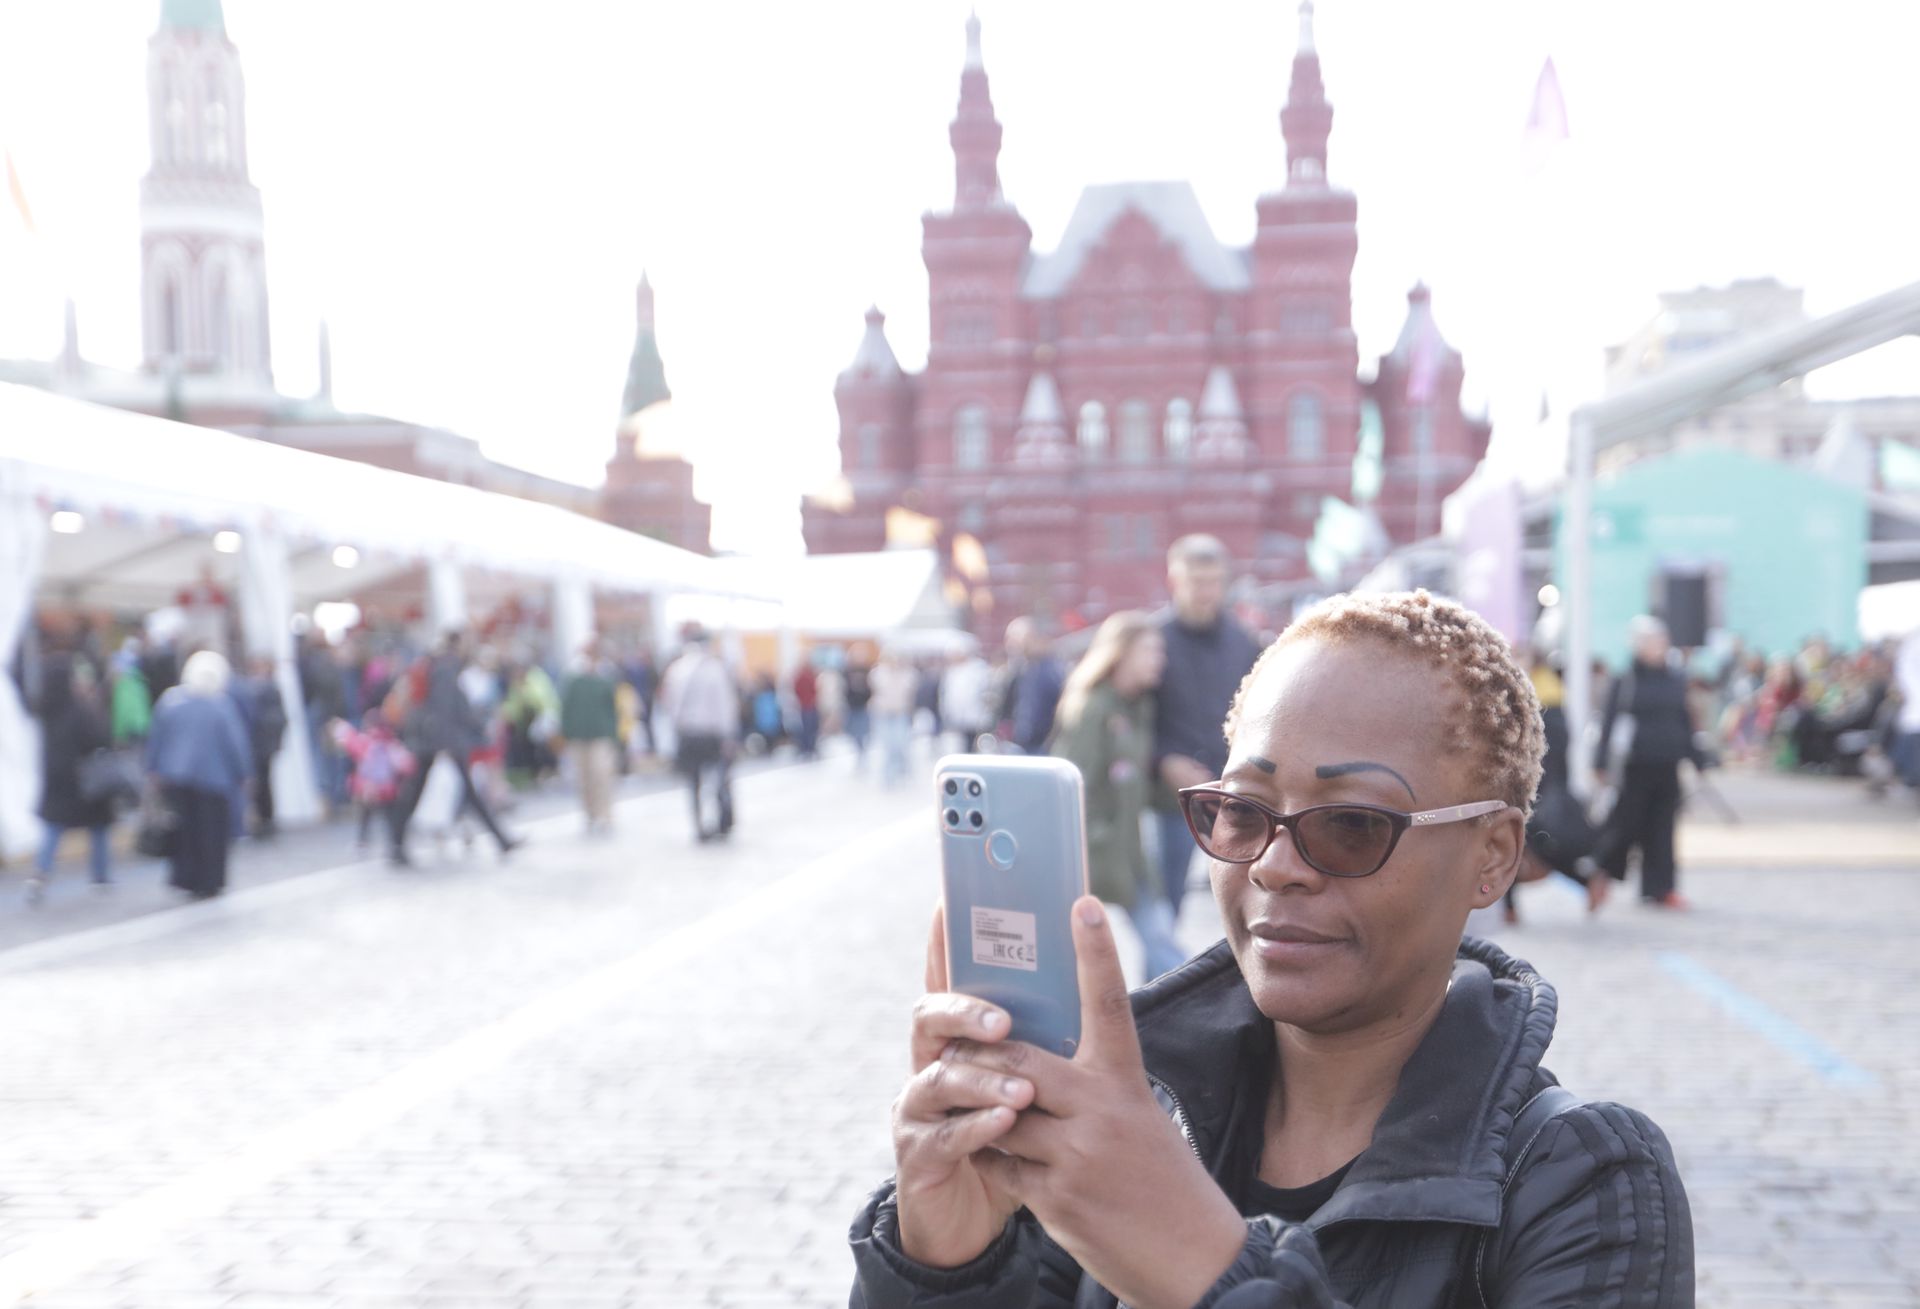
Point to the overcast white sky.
(468, 191)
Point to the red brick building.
(1080, 409)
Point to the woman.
(1646, 731)
(72, 726)
(199, 754)
(1342, 1107)
(1105, 727)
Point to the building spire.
(70, 362)
(1307, 119)
(646, 374)
(975, 133)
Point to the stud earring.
(1485, 887)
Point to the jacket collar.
(1437, 1152)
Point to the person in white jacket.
(964, 688)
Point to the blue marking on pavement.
(1782, 1031)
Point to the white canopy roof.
(148, 486)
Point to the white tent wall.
(572, 619)
(266, 628)
(446, 595)
(23, 543)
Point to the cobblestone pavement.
(645, 1072)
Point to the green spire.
(646, 374)
(202, 14)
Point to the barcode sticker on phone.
(1005, 938)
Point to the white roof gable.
(1170, 206)
(1220, 399)
(1043, 401)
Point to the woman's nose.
(1280, 865)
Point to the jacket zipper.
(1179, 1117)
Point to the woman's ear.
(1503, 843)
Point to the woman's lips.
(1283, 942)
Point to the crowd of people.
(449, 737)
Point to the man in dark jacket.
(1646, 730)
(1035, 681)
(1208, 654)
(444, 724)
(265, 712)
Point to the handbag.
(159, 827)
(113, 776)
(1558, 833)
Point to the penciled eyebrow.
(1326, 772)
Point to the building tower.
(649, 486)
(202, 247)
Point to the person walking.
(265, 712)
(72, 727)
(1645, 734)
(896, 687)
(444, 725)
(590, 726)
(380, 766)
(806, 699)
(964, 687)
(701, 701)
(1208, 655)
(199, 755)
(1032, 694)
(857, 698)
(131, 703)
(1106, 731)
(1560, 839)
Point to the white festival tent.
(150, 495)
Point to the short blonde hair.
(1495, 722)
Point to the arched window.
(1306, 428)
(1179, 431)
(1136, 320)
(1136, 432)
(213, 121)
(867, 452)
(1093, 430)
(972, 437)
(220, 319)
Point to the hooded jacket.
(1427, 1217)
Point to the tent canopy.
(153, 493)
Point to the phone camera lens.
(953, 787)
(953, 818)
(973, 789)
(977, 818)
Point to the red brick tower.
(649, 487)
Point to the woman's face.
(1329, 723)
(1140, 668)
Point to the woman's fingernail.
(993, 1022)
(947, 1053)
(1090, 913)
(1012, 1087)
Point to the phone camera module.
(953, 787)
(973, 789)
(977, 819)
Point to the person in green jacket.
(131, 703)
(590, 724)
(1104, 726)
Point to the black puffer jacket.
(1426, 1218)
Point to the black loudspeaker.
(1683, 600)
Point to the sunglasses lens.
(1228, 829)
(1346, 842)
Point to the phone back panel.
(1010, 882)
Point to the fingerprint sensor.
(1001, 849)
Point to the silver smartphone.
(1013, 856)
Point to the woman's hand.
(950, 1212)
(1096, 1159)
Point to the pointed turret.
(1040, 438)
(646, 374)
(875, 358)
(1221, 432)
(1307, 119)
(975, 133)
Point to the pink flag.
(1546, 120)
